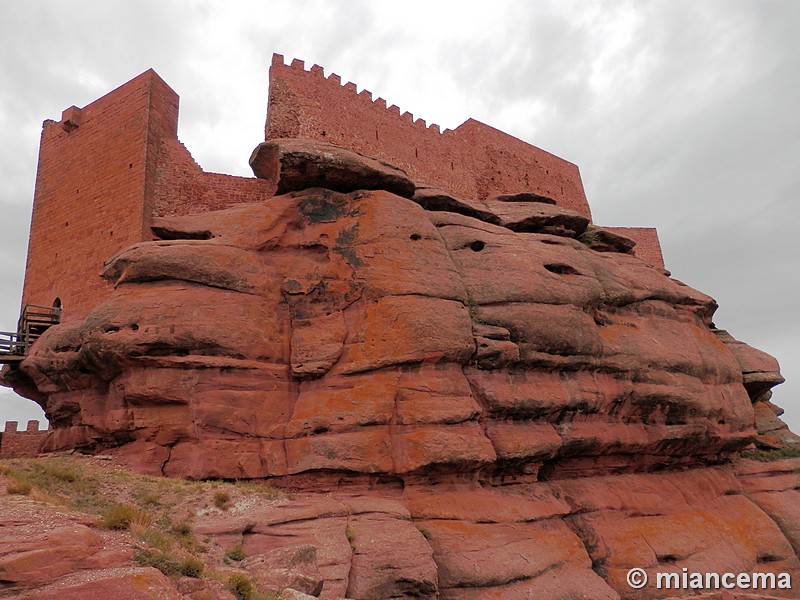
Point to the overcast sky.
(681, 114)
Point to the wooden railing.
(33, 322)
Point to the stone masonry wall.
(95, 170)
(647, 247)
(21, 444)
(105, 170)
(473, 161)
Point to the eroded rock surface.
(358, 332)
(533, 410)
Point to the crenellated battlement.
(21, 444)
(364, 95)
(473, 160)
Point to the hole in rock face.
(164, 233)
(668, 558)
(477, 246)
(561, 269)
(415, 236)
(111, 329)
(768, 558)
(135, 327)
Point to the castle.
(108, 169)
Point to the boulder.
(297, 164)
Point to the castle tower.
(94, 191)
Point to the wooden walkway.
(33, 322)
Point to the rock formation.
(495, 396)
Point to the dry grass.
(158, 513)
(123, 516)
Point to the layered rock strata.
(533, 409)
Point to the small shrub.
(184, 528)
(122, 516)
(305, 555)
(236, 553)
(158, 560)
(22, 487)
(222, 500)
(190, 544)
(240, 586)
(157, 539)
(351, 537)
(191, 567)
(425, 533)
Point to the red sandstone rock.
(131, 584)
(439, 200)
(603, 240)
(33, 561)
(295, 164)
(528, 409)
(537, 217)
(760, 371)
(359, 332)
(523, 197)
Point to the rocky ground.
(84, 527)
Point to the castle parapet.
(473, 161)
(21, 444)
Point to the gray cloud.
(681, 114)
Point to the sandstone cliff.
(493, 399)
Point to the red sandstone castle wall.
(647, 247)
(107, 169)
(104, 172)
(183, 188)
(95, 170)
(472, 161)
(21, 444)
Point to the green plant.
(122, 516)
(158, 560)
(236, 553)
(184, 528)
(351, 537)
(191, 567)
(240, 586)
(157, 539)
(770, 455)
(222, 499)
(425, 533)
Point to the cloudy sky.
(682, 114)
